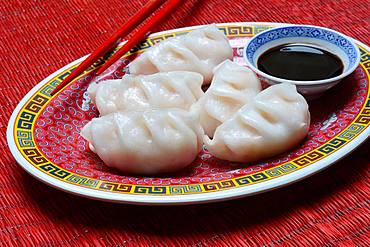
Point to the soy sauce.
(300, 62)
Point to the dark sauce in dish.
(300, 62)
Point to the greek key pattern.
(364, 118)
(366, 65)
(281, 170)
(351, 132)
(237, 31)
(25, 138)
(155, 40)
(100, 61)
(46, 91)
(25, 120)
(115, 187)
(364, 56)
(28, 115)
(309, 158)
(258, 29)
(55, 171)
(333, 145)
(34, 156)
(219, 185)
(365, 59)
(87, 182)
(142, 46)
(257, 177)
(185, 189)
(36, 103)
(150, 189)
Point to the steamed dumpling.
(277, 120)
(232, 87)
(146, 142)
(179, 89)
(199, 51)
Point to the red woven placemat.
(38, 37)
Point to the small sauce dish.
(319, 39)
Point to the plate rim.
(232, 193)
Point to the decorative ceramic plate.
(43, 135)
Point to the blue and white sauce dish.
(329, 40)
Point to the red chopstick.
(110, 43)
(142, 33)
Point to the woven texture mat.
(38, 37)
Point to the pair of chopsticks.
(117, 37)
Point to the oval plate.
(43, 136)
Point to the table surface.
(38, 37)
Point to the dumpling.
(179, 89)
(146, 142)
(199, 51)
(277, 120)
(232, 87)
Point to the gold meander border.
(24, 136)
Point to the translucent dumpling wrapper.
(199, 51)
(146, 142)
(232, 87)
(179, 89)
(277, 120)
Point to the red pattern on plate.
(57, 133)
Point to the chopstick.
(112, 42)
(143, 32)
